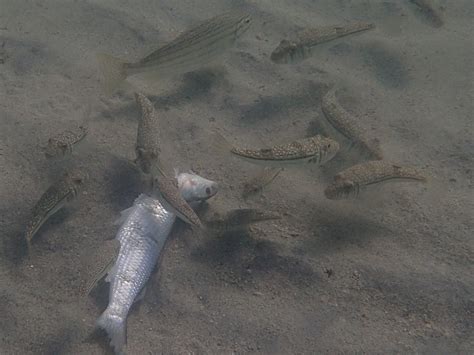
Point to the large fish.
(142, 234)
(189, 51)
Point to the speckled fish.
(147, 148)
(256, 183)
(346, 125)
(316, 149)
(166, 190)
(351, 181)
(428, 10)
(54, 199)
(297, 50)
(191, 50)
(238, 218)
(62, 144)
(144, 230)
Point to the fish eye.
(208, 190)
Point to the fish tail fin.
(220, 143)
(113, 71)
(115, 326)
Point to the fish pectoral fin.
(103, 261)
(123, 216)
(141, 295)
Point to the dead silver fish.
(259, 181)
(189, 51)
(350, 182)
(54, 199)
(62, 144)
(316, 149)
(295, 51)
(147, 148)
(346, 125)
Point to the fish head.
(329, 148)
(341, 189)
(196, 188)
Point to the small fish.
(100, 263)
(239, 218)
(300, 48)
(62, 144)
(259, 181)
(349, 182)
(54, 199)
(166, 190)
(345, 124)
(429, 12)
(144, 230)
(316, 149)
(189, 51)
(147, 148)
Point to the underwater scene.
(236, 176)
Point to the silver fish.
(189, 51)
(297, 50)
(142, 234)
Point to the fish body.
(62, 144)
(295, 51)
(239, 218)
(147, 148)
(166, 190)
(316, 149)
(55, 198)
(349, 182)
(346, 125)
(189, 51)
(259, 181)
(142, 235)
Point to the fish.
(54, 199)
(300, 48)
(194, 187)
(348, 183)
(346, 125)
(432, 15)
(99, 263)
(144, 230)
(256, 183)
(239, 218)
(317, 149)
(147, 148)
(191, 50)
(166, 190)
(63, 143)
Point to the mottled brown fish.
(351, 181)
(147, 148)
(189, 51)
(316, 149)
(432, 15)
(62, 144)
(256, 183)
(239, 218)
(98, 263)
(346, 125)
(54, 199)
(166, 190)
(298, 49)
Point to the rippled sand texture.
(391, 271)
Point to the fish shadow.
(236, 257)
(123, 183)
(307, 98)
(336, 230)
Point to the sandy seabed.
(391, 272)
